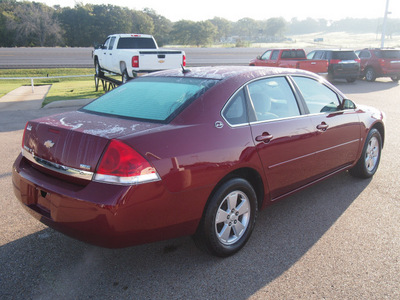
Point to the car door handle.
(265, 137)
(323, 126)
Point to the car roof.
(227, 72)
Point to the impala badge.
(48, 144)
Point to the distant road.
(28, 58)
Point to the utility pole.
(384, 24)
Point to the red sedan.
(191, 152)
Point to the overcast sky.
(176, 10)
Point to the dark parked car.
(380, 63)
(343, 64)
(194, 152)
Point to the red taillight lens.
(358, 60)
(121, 164)
(335, 61)
(23, 136)
(135, 61)
(184, 60)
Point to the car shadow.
(47, 264)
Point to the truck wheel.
(125, 76)
(370, 75)
(97, 68)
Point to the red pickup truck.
(290, 58)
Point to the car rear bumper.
(106, 215)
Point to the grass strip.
(61, 88)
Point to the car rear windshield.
(388, 54)
(157, 99)
(136, 43)
(344, 55)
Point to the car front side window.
(318, 97)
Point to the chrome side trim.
(56, 167)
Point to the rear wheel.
(370, 74)
(395, 78)
(370, 156)
(229, 219)
(125, 76)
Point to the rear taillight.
(335, 61)
(382, 62)
(23, 136)
(358, 60)
(121, 164)
(184, 60)
(135, 61)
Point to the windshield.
(157, 99)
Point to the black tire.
(370, 75)
(351, 80)
(370, 157)
(395, 78)
(228, 219)
(97, 68)
(125, 76)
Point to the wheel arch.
(122, 66)
(249, 174)
(379, 126)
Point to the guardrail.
(44, 77)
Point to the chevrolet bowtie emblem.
(48, 144)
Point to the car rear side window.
(272, 98)
(235, 112)
(318, 97)
(156, 99)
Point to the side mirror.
(348, 104)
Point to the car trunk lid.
(73, 143)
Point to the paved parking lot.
(339, 239)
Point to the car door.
(103, 53)
(282, 135)
(338, 130)
(263, 61)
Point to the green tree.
(223, 28)
(35, 25)
(141, 23)
(162, 27)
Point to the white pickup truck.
(129, 54)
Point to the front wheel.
(229, 219)
(97, 68)
(370, 157)
(395, 78)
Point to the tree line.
(31, 24)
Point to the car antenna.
(184, 71)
